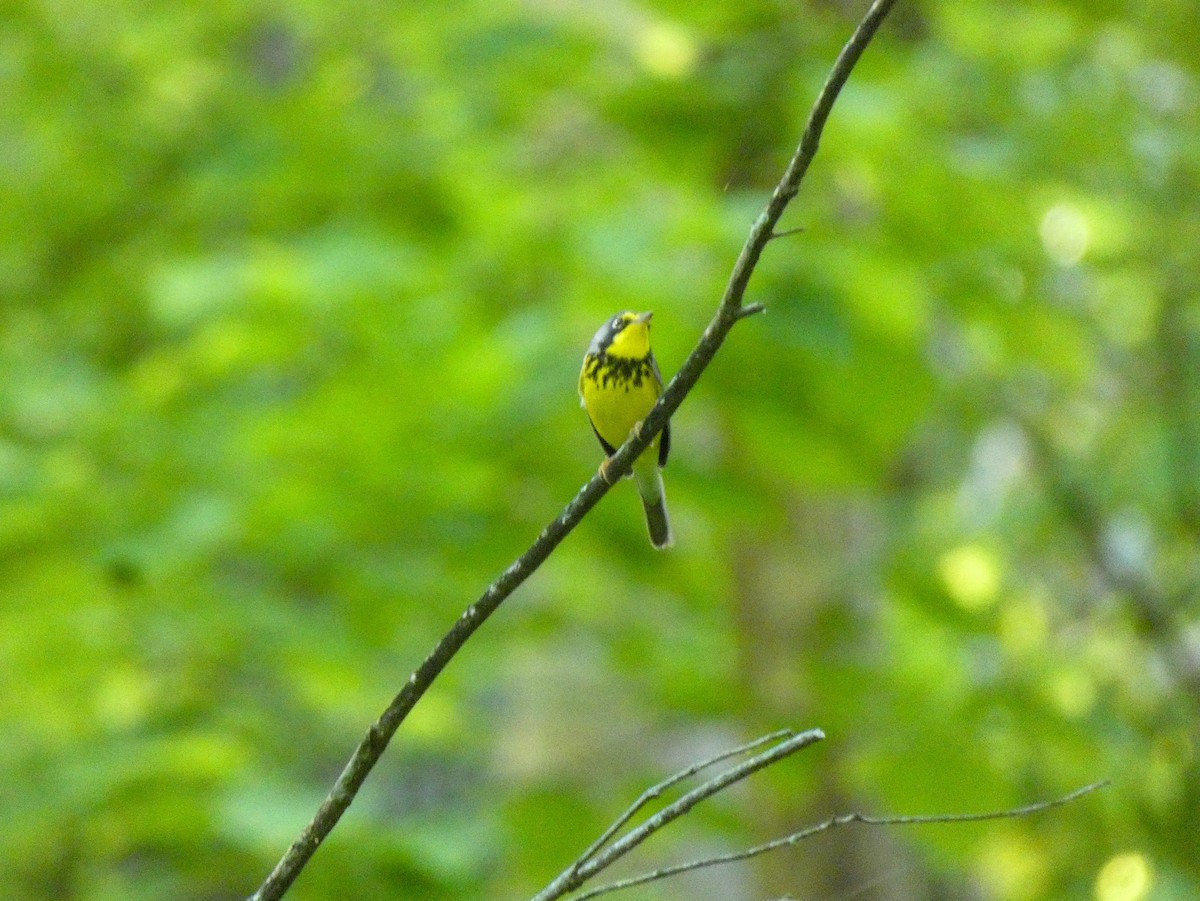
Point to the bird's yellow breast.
(618, 393)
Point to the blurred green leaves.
(292, 302)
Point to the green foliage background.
(292, 301)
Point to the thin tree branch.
(1177, 358)
(749, 310)
(787, 233)
(833, 822)
(584, 869)
(656, 790)
(373, 744)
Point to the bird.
(618, 386)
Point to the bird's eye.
(618, 322)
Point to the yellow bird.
(618, 386)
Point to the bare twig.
(584, 869)
(656, 790)
(833, 822)
(787, 232)
(749, 310)
(729, 312)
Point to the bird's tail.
(654, 499)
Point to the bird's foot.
(604, 470)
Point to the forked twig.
(655, 791)
(597, 858)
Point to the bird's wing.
(657, 375)
(608, 448)
(664, 442)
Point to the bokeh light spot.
(1073, 692)
(1013, 867)
(1126, 877)
(666, 51)
(1065, 234)
(971, 574)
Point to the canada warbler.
(618, 386)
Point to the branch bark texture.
(729, 312)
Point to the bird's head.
(624, 335)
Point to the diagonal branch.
(728, 314)
(831, 823)
(1156, 612)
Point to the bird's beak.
(645, 317)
